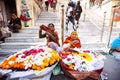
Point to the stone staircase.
(29, 36)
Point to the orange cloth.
(70, 39)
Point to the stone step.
(116, 29)
(20, 45)
(47, 18)
(92, 45)
(34, 31)
(46, 23)
(9, 51)
(25, 35)
(29, 34)
(1, 42)
(50, 21)
(24, 39)
(36, 28)
(49, 14)
(4, 56)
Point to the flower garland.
(36, 58)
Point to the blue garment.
(72, 21)
(73, 4)
(115, 43)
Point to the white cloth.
(70, 9)
(5, 32)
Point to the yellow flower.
(71, 66)
(86, 56)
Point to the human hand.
(74, 42)
(47, 33)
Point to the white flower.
(11, 62)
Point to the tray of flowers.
(81, 65)
(32, 62)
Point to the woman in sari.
(50, 33)
(70, 42)
(73, 41)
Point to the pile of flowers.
(36, 58)
(83, 61)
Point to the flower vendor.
(51, 35)
(72, 41)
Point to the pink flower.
(23, 56)
(40, 50)
(64, 56)
(68, 59)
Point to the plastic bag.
(117, 56)
(57, 70)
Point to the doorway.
(10, 7)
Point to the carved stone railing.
(39, 3)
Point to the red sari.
(70, 39)
(53, 33)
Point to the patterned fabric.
(71, 39)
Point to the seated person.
(115, 45)
(70, 42)
(73, 41)
(50, 34)
(1, 36)
(15, 23)
(4, 33)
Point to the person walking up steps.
(54, 3)
(70, 17)
(47, 2)
(78, 11)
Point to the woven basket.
(77, 75)
(95, 75)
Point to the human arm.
(10, 22)
(54, 37)
(115, 43)
(73, 43)
(15, 21)
(47, 33)
(76, 43)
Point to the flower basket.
(31, 63)
(83, 65)
(94, 75)
(40, 75)
(74, 74)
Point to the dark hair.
(69, 4)
(13, 13)
(51, 24)
(78, 2)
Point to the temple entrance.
(10, 7)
